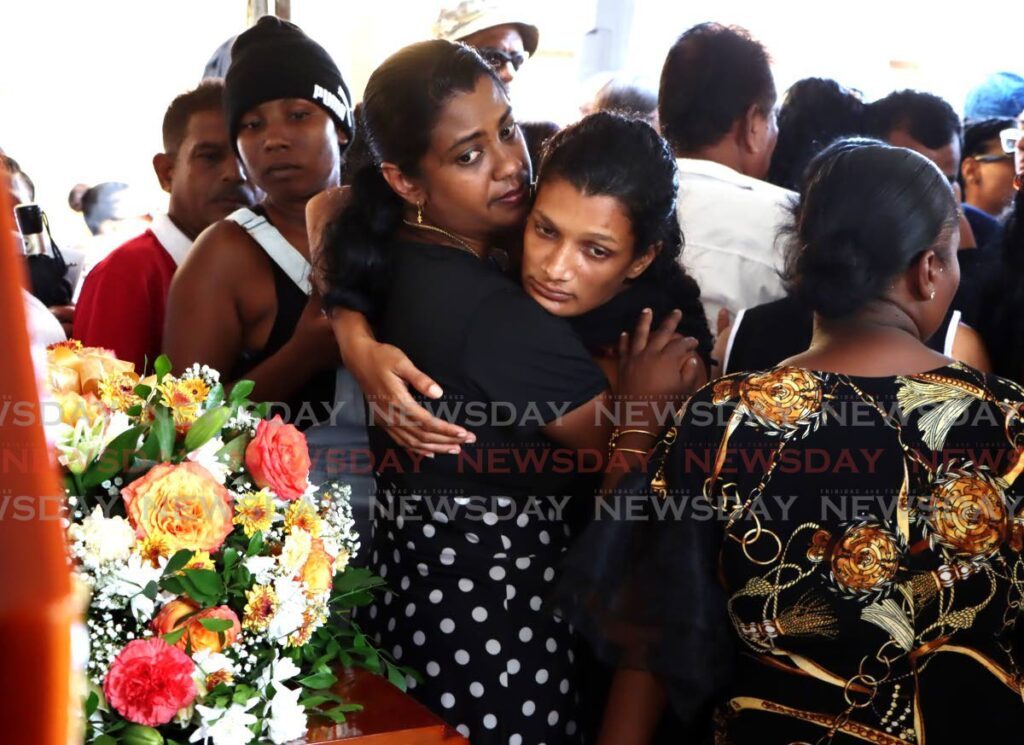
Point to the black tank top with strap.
(767, 334)
(314, 400)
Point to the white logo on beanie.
(337, 103)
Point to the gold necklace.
(461, 244)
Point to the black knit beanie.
(274, 59)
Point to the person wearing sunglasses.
(986, 171)
(495, 29)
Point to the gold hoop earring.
(932, 296)
(419, 213)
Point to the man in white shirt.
(716, 106)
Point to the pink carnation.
(150, 681)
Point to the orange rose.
(278, 458)
(196, 635)
(318, 571)
(181, 504)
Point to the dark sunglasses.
(497, 59)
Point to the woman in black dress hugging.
(469, 542)
(838, 556)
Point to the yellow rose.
(74, 406)
(182, 504)
(84, 368)
(318, 571)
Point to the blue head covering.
(1001, 95)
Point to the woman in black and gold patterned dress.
(837, 558)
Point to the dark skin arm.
(636, 703)
(222, 301)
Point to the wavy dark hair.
(814, 113)
(927, 118)
(866, 212)
(401, 105)
(635, 166)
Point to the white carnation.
(103, 539)
(289, 616)
(262, 568)
(206, 456)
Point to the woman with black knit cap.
(242, 302)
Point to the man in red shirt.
(121, 306)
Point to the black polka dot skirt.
(464, 609)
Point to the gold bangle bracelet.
(620, 432)
(632, 450)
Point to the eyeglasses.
(1004, 158)
(497, 58)
(1008, 138)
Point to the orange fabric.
(35, 590)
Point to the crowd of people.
(789, 333)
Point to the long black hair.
(401, 105)
(608, 154)
(866, 211)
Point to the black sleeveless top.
(313, 402)
(775, 331)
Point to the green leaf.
(262, 409)
(115, 459)
(396, 678)
(314, 701)
(206, 581)
(241, 390)
(150, 449)
(104, 740)
(233, 453)
(173, 637)
(135, 410)
(230, 559)
(337, 713)
(206, 427)
(255, 544)
(143, 391)
(151, 590)
(163, 428)
(162, 366)
(137, 734)
(173, 585)
(216, 624)
(91, 704)
(323, 679)
(216, 396)
(178, 561)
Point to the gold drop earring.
(419, 213)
